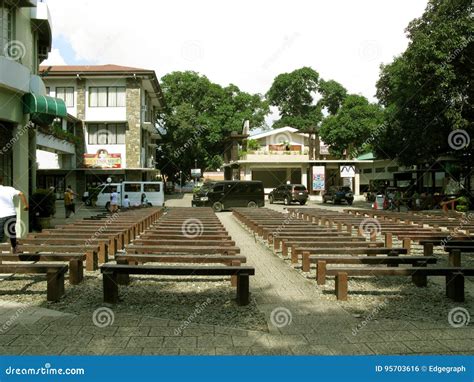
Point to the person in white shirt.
(126, 202)
(8, 213)
(114, 201)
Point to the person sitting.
(126, 202)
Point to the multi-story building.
(117, 106)
(25, 40)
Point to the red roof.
(90, 68)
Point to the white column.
(357, 183)
(304, 176)
(248, 173)
(21, 173)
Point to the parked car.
(337, 195)
(227, 194)
(288, 194)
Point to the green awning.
(43, 109)
(367, 156)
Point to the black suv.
(288, 194)
(339, 194)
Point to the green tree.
(198, 117)
(427, 91)
(352, 127)
(332, 94)
(294, 95)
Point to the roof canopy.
(43, 109)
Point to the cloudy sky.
(245, 42)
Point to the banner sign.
(347, 171)
(102, 159)
(195, 172)
(319, 183)
(323, 148)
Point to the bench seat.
(112, 271)
(54, 276)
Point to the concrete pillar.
(32, 153)
(304, 176)
(357, 183)
(21, 156)
(248, 173)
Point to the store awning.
(43, 109)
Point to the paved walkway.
(299, 322)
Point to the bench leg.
(407, 244)
(284, 249)
(123, 278)
(233, 279)
(341, 286)
(294, 255)
(110, 287)
(55, 288)
(243, 292)
(276, 244)
(91, 261)
(454, 258)
(419, 280)
(388, 240)
(455, 286)
(306, 264)
(112, 247)
(428, 249)
(76, 271)
(103, 258)
(321, 272)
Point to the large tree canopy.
(198, 116)
(427, 91)
(293, 95)
(353, 126)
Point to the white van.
(153, 191)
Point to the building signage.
(195, 172)
(102, 159)
(323, 148)
(318, 178)
(347, 171)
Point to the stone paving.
(298, 322)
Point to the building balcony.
(41, 22)
(14, 76)
(53, 144)
(22, 3)
(274, 157)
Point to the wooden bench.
(370, 248)
(105, 247)
(308, 258)
(111, 271)
(394, 261)
(54, 276)
(183, 248)
(76, 261)
(454, 277)
(90, 252)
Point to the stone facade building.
(117, 106)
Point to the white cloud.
(54, 58)
(245, 42)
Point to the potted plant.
(462, 204)
(42, 208)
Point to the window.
(218, 188)
(133, 187)
(151, 187)
(112, 96)
(367, 171)
(380, 169)
(392, 169)
(106, 134)
(66, 94)
(7, 31)
(48, 90)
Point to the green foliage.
(253, 144)
(198, 117)
(42, 203)
(333, 95)
(428, 90)
(354, 124)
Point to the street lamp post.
(180, 181)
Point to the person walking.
(8, 213)
(114, 201)
(68, 203)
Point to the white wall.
(54, 83)
(47, 160)
(109, 114)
